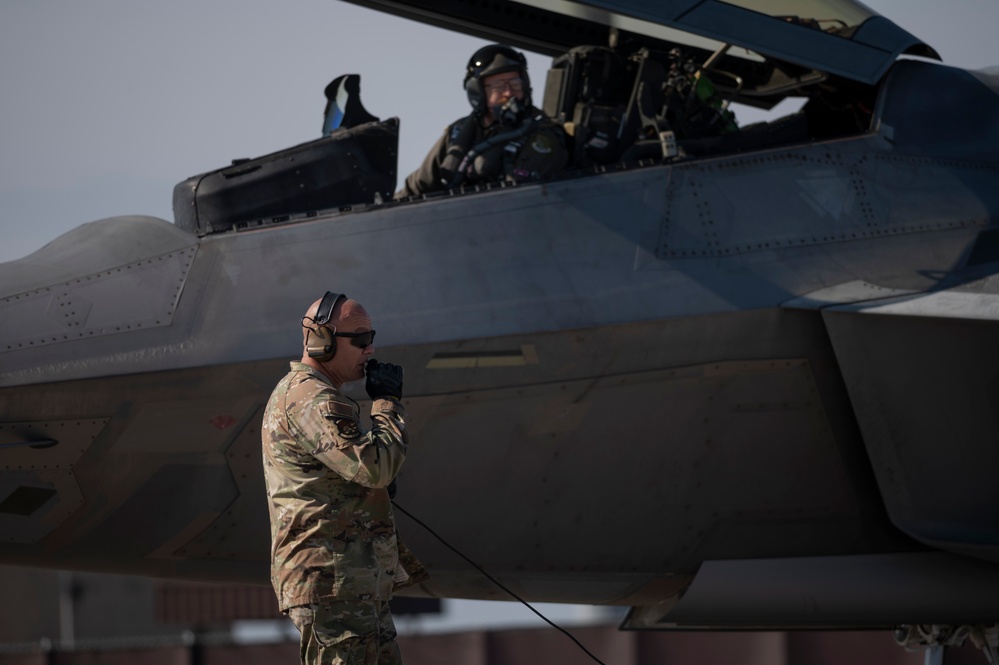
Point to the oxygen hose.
(484, 145)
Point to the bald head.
(347, 316)
(346, 310)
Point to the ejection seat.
(650, 105)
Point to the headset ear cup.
(324, 347)
(329, 343)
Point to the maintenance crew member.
(335, 556)
(504, 138)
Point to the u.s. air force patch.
(348, 429)
(542, 144)
(343, 417)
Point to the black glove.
(384, 380)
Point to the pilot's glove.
(384, 380)
(392, 488)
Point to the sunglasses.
(361, 340)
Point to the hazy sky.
(105, 105)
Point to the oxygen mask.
(511, 113)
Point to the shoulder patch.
(331, 409)
(542, 144)
(347, 427)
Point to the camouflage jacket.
(540, 152)
(332, 528)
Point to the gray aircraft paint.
(774, 365)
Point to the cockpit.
(650, 84)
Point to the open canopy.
(839, 37)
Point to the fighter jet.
(729, 377)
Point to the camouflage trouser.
(347, 632)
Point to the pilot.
(504, 138)
(335, 555)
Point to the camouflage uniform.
(335, 557)
(343, 632)
(539, 153)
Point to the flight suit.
(540, 152)
(335, 556)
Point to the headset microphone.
(324, 347)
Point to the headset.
(324, 347)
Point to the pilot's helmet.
(489, 60)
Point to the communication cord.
(497, 582)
